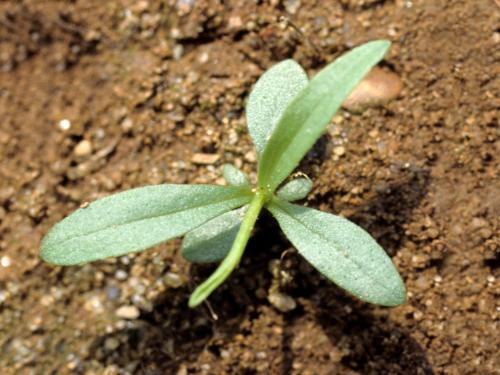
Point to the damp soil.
(98, 97)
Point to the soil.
(146, 85)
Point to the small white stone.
(203, 58)
(47, 300)
(418, 315)
(127, 124)
(175, 33)
(128, 312)
(205, 159)
(121, 275)
(3, 296)
(94, 305)
(261, 355)
(5, 261)
(235, 22)
(83, 148)
(64, 124)
(250, 156)
(232, 138)
(339, 151)
(178, 51)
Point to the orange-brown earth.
(97, 97)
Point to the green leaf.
(342, 251)
(136, 219)
(295, 189)
(274, 90)
(306, 117)
(212, 241)
(234, 176)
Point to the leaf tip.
(46, 250)
(194, 300)
(381, 42)
(50, 253)
(398, 297)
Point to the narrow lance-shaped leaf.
(306, 117)
(212, 241)
(274, 90)
(342, 251)
(136, 219)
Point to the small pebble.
(35, 324)
(185, 6)
(178, 51)
(121, 275)
(379, 86)
(478, 223)
(127, 124)
(232, 138)
(3, 296)
(281, 301)
(5, 261)
(261, 355)
(432, 233)
(111, 344)
(47, 300)
(418, 315)
(292, 6)
(64, 124)
(235, 22)
(72, 365)
(496, 37)
(339, 151)
(250, 156)
(93, 304)
(205, 159)
(204, 57)
(173, 280)
(423, 282)
(128, 312)
(205, 367)
(83, 148)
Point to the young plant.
(286, 114)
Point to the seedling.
(286, 113)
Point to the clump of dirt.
(100, 97)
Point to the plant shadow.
(160, 341)
(366, 341)
(171, 334)
(374, 344)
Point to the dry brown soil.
(151, 83)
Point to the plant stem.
(232, 259)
